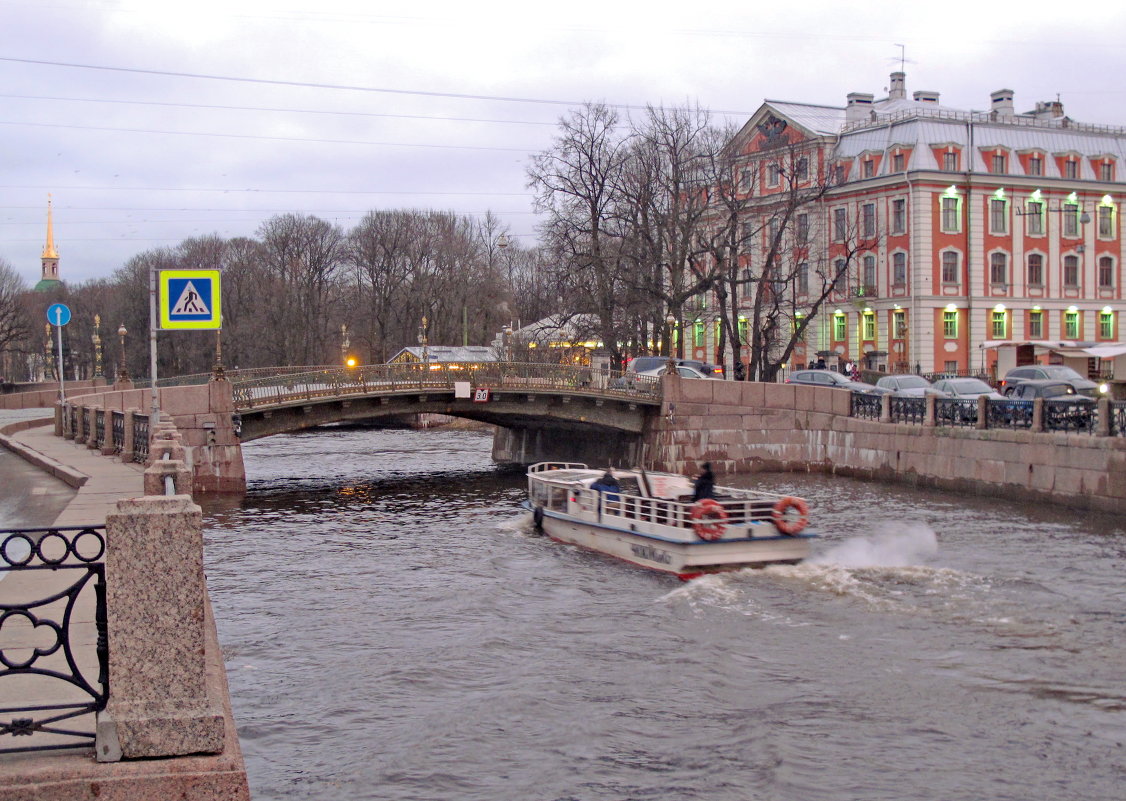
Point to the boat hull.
(682, 559)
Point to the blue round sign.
(58, 314)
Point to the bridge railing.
(497, 377)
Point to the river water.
(393, 629)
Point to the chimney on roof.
(898, 87)
(859, 107)
(1002, 103)
(923, 96)
(1048, 109)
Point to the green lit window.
(698, 332)
(999, 326)
(1106, 325)
(840, 328)
(744, 329)
(1071, 325)
(1036, 325)
(950, 324)
(900, 321)
(870, 327)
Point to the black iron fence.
(1073, 414)
(117, 426)
(140, 438)
(54, 654)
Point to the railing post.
(1037, 414)
(982, 412)
(929, 413)
(127, 443)
(885, 408)
(1103, 427)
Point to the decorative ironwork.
(955, 412)
(1009, 414)
(117, 426)
(38, 637)
(908, 410)
(87, 422)
(140, 438)
(100, 427)
(1070, 415)
(869, 407)
(1118, 418)
(72, 416)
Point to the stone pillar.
(929, 414)
(1037, 414)
(127, 446)
(92, 434)
(982, 412)
(885, 408)
(79, 425)
(107, 438)
(159, 705)
(1103, 427)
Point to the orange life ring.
(709, 519)
(785, 523)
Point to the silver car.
(966, 388)
(906, 386)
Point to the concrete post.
(159, 702)
(929, 413)
(1103, 427)
(92, 434)
(1037, 414)
(79, 432)
(885, 408)
(982, 412)
(127, 446)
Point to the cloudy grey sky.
(151, 121)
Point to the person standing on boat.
(608, 485)
(704, 487)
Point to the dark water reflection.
(393, 630)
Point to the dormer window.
(950, 161)
(1071, 169)
(1035, 165)
(897, 162)
(1106, 170)
(869, 168)
(998, 163)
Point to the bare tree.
(14, 326)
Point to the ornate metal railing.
(72, 420)
(908, 410)
(496, 377)
(140, 438)
(1118, 418)
(117, 427)
(100, 427)
(1070, 415)
(50, 656)
(955, 412)
(87, 422)
(867, 406)
(1009, 414)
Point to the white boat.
(653, 522)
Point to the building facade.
(938, 230)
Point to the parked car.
(683, 370)
(643, 364)
(632, 379)
(1076, 410)
(966, 388)
(1057, 372)
(906, 386)
(831, 378)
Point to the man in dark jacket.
(705, 484)
(608, 485)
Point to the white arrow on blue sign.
(58, 314)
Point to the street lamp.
(344, 344)
(670, 321)
(508, 343)
(424, 342)
(122, 373)
(97, 340)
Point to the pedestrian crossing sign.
(189, 299)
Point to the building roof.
(823, 120)
(455, 354)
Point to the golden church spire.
(49, 251)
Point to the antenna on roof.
(902, 57)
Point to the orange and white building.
(978, 226)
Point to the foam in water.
(902, 547)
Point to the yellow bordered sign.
(189, 299)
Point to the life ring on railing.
(785, 522)
(709, 519)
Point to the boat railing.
(754, 508)
(540, 467)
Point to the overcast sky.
(152, 121)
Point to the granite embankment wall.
(754, 427)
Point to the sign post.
(58, 315)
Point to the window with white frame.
(870, 326)
(803, 279)
(1106, 325)
(1035, 274)
(999, 269)
(899, 216)
(869, 217)
(1106, 221)
(897, 162)
(1070, 219)
(998, 163)
(869, 270)
(840, 328)
(950, 324)
(950, 271)
(899, 269)
(1071, 169)
(1106, 170)
(999, 324)
(1036, 324)
(1106, 272)
(840, 224)
(869, 168)
(951, 214)
(1071, 271)
(950, 161)
(1034, 218)
(801, 168)
(802, 228)
(1035, 165)
(899, 321)
(998, 215)
(772, 173)
(745, 179)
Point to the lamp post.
(670, 321)
(122, 372)
(424, 342)
(97, 340)
(507, 332)
(345, 343)
(217, 372)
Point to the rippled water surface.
(393, 629)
